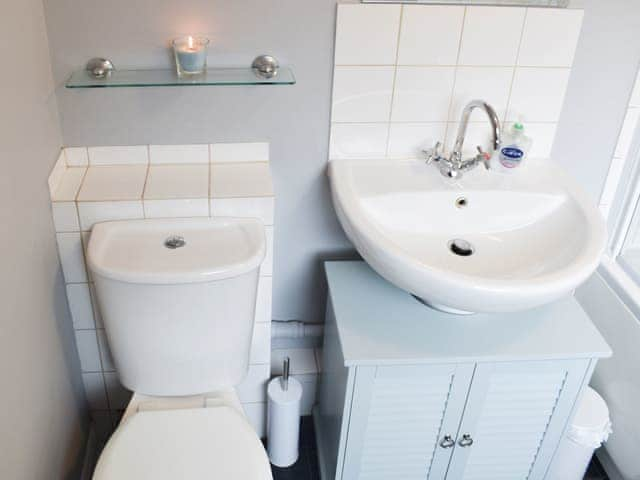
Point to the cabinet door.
(514, 419)
(399, 417)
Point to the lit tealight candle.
(191, 55)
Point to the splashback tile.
(88, 352)
(71, 257)
(94, 212)
(240, 152)
(491, 35)
(367, 34)
(123, 182)
(422, 94)
(169, 154)
(550, 37)
(538, 94)
(120, 155)
(358, 140)
(362, 94)
(68, 184)
(80, 306)
(407, 140)
(257, 207)
(76, 156)
(229, 180)
(177, 181)
(491, 84)
(181, 207)
(430, 34)
(65, 217)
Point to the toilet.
(177, 298)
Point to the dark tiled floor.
(306, 468)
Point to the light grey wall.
(601, 81)
(41, 421)
(295, 119)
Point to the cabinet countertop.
(380, 324)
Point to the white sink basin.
(534, 234)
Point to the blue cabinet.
(467, 410)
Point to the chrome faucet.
(455, 165)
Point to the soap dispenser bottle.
(514, 147)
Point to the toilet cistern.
(455, 165)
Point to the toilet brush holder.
(283, 418)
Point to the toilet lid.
(201, 443)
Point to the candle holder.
(191, 55)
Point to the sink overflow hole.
(461, 202)
(461, 247)
(174, 242)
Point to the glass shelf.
(169, 78)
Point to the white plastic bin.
(590, 428)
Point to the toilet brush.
(283, 418)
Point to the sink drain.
(461, 247)
(174, 241)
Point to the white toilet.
(177, 299)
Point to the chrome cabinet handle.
(447, 442)
(466, 440)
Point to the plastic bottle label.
(510, 157)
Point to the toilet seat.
(198, 443)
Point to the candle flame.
(190, 41)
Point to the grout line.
(515, 69)
(393, 84)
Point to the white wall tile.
(491, 84)
(105, 352)
(254, 387)
(65, 217)
(95, 391)
(240, 152)
(80, 305)
(258, 207)
(120, 155)
(85, 236)
(57, 172)
(626, 133)
(266, 269)
(76, 156)
(71, 257)
(318, 355)
(550, 37)
(88, 350)
(257, 415)
(604, 209)
(118, 395)
(362, 94)
(159, 154)
(69, 184)
(94, 212)
(367, 34)
(121, 182)
(538, 94)
(543, 136)
(430, 34)
(264, 299)
(261, 343)
(422, 94)
(301, 361)
(181, 207)
(358, 140)
(177, 181)
(249, 179)
(491, 35)
(407, 140)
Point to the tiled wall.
(94, 184)
(403, 74)
(622, 149)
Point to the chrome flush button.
(174, 241)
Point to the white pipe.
(295, 329)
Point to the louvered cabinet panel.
(398, 416)
(515, 415)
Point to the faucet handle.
(433, 154)
(484, 157)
